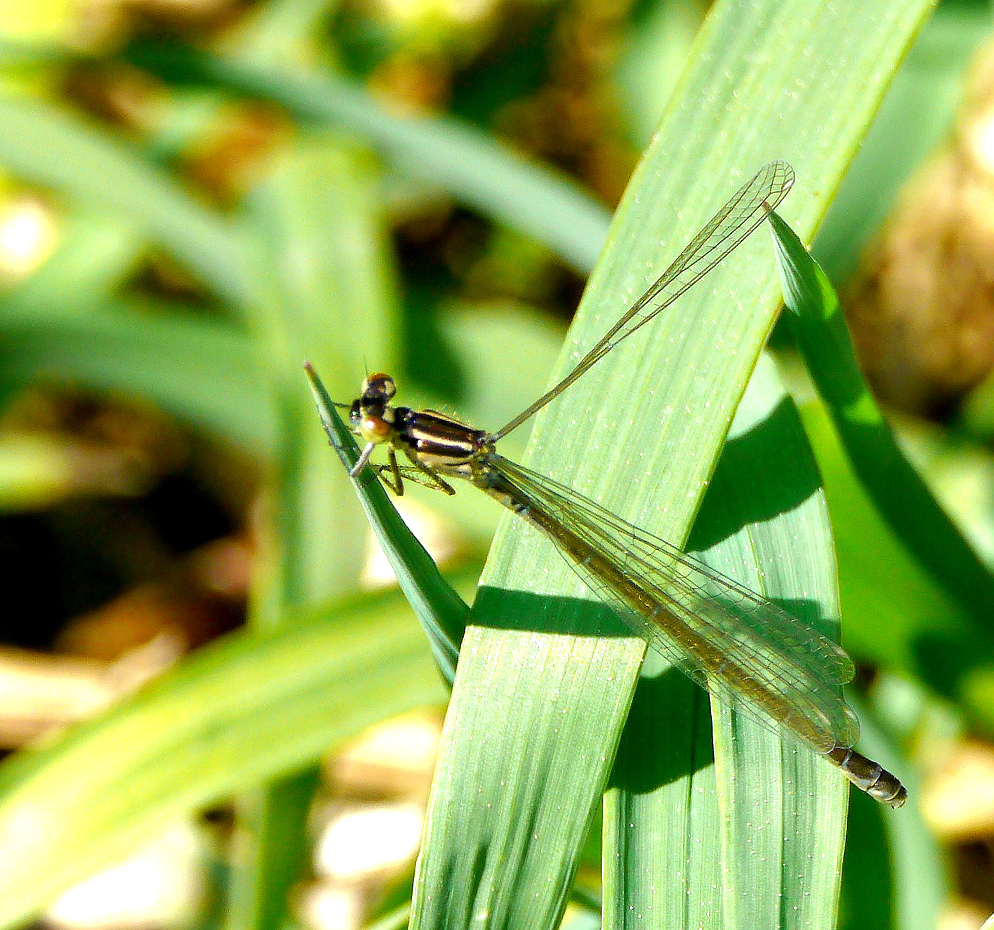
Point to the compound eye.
(355, 414)
(379, 385)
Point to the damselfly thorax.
(434, 444)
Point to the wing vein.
(737, 644)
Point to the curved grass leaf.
(318, 240)
(441, 611)
(901, 618)
(242, 710)
(937, 648)
(918, 885)
(897, 490)
(442, 152)
(57, 149)
(165, 356)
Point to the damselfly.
(738, 645)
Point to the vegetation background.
(200, 194)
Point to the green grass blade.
(801, 800)
(246, 709)
(54, 148)
(896, 489)
(919, 888)
(166, 356)
(441, 611)
(537, 711)
(317, 205)
(655, 805)
(445, 153)
(910, 624)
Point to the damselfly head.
(377, 388)
(371, 415)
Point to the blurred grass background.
(199, 194)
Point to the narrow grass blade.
(54, 148)
(442, 152)
(440, 609)
(919, 886)
(898, 616)
(896, 489)
(166, 356)
(317, 205)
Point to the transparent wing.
(728, 228)
(736, 644)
